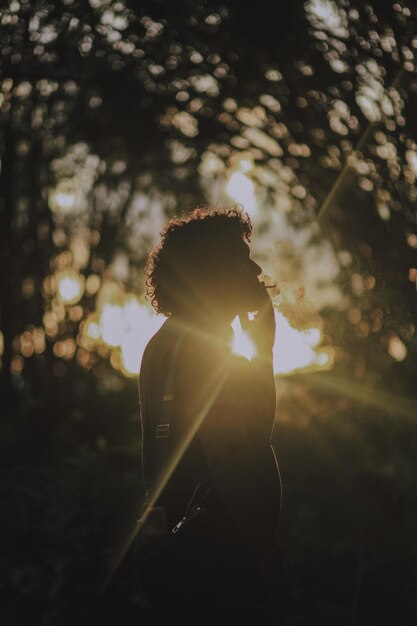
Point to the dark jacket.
(230, 403)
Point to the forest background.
(116, 115)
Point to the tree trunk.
(6, 264)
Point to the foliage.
(114, 117)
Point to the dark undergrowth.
(71, 492)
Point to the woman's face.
(241, 289)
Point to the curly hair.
(193, 249)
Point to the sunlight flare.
(240, 187)
(69, 286)
(297, 350)
(141, 324)
(92, 329)
(242, 344)
(67, 198)
(397, 349)
(112, 325)
(294, 350)
(124, 325)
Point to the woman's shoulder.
(160, 341)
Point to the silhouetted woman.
(201, 277)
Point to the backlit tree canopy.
(114, 118)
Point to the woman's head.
(202, 263)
